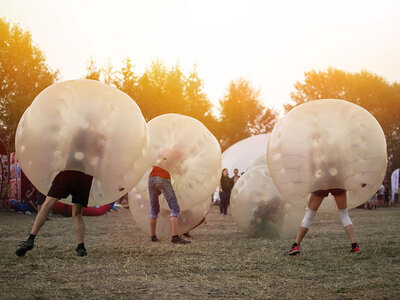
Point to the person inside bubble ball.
(160, 183)
(265, 218)
(314, 203)
(71, 182)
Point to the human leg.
(153, 224)
(341, 201)
(221, 210)
(169, 194)
(79, 224)
(313, 204)
(227, 203)
(224, 202)
(56, 192)
(43, 213)
(174, 225)
(155, 207)
(39, 221)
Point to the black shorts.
(40, 198)
(73, 183)
(325, 193)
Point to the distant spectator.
(40, 198)
(235, 176)
(381, 193)
(386, 195)
(396, 197)
(30, 198)
(234, 179)
(372, 202)
(123, 201)
(225, 187)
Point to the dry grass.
(221, 262)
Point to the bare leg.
(79, 224)
(300, 234)
(341, 202)
(153, 223)
(314, 203)
(43, 213)
(350, 233)
(174, 225)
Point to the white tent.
(395, 182)
(242, 154)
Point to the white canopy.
(242, 154)
(395, 182)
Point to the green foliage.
(23, 75)
(242, 114)
(366, 89)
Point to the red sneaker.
(355, 249)
(295, 249)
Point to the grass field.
(221, 262)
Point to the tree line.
(162, 89)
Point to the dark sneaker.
(355, 249)
(154, 238)
(179, 240)
(295, 249)
(81, 251)
(187, 234)
(24, 247)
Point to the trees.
(23, 75)
(126, 79)
(242, 114)
(198, 105)
(366, 89)
(161, 90)
(92, 71)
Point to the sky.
(269, 43)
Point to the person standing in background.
(386, 194)
(225, 187)
(381, 193)
(235, 176)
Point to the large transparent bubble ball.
(190, 153)
(139, 205)
(261, 160)
(86, 126)
(327, 144)
(257, 207)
